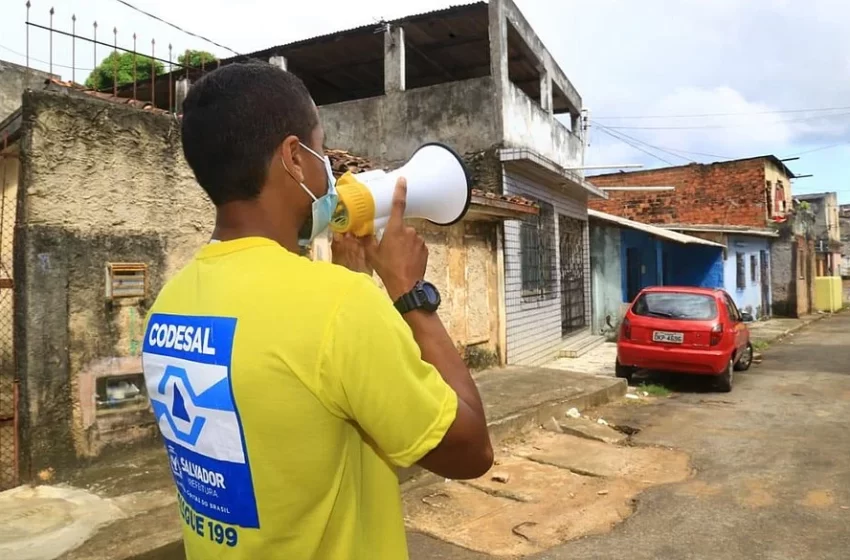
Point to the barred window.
(537, 252)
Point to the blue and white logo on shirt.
(187, 362)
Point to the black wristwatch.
(424, 295)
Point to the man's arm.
(465, 451)
(400, 259)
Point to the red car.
(686, 330)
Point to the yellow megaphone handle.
(355, 211)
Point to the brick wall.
(721, 193)
(533, 324)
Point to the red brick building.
(746, 192)
(743, 204)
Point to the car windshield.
(676, 305)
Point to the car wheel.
(623, 372)
(724, 383)
(746, 359)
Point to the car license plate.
(664, 336)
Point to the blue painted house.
(627, 256)
(747, 267)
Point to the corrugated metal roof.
(710, 228)
(334, 35)
(656, 231)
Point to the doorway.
(571, 246)
(633, 266)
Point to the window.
(676, 305)
(741, 271)
(732, 309)
(537, 252)
(779, 198)
(754, 265)
(800, 263)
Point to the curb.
(514, 424)
(796, 328)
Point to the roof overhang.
(493, 207)
(543, 170)
(655, 231)
(733, 230)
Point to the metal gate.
(8, 383)
(571, 245)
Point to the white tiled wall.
(534, 324)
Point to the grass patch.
(760, 345)
(654, 390)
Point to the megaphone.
(439, 189)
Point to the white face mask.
(324, 206)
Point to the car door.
(737, 323)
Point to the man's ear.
(293, 157)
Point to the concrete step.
(581, 346)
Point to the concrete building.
(478, 78)
(826, 231)
(740, 204)
(14, 80)
(627, 256)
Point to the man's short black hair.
(233, 120)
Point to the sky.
(764, 76)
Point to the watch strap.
(408, 302)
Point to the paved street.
(772, 474)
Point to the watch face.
(432, 295)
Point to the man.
(288, 390)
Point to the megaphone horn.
(439, 189)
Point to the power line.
(703, 115)
(666, 149)
(177, 27)
(633, 145)
(22, 55)
(625, 136)
(821, 148)
(740, 125)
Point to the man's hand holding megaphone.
(400, 258)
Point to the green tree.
(102, 76)
(197, 58)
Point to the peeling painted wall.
(100, 183)
(462, 264)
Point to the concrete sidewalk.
(124, 507)
(766, 332)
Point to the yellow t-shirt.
(286, 390)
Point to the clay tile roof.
(143, 105)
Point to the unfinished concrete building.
(478, 78)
